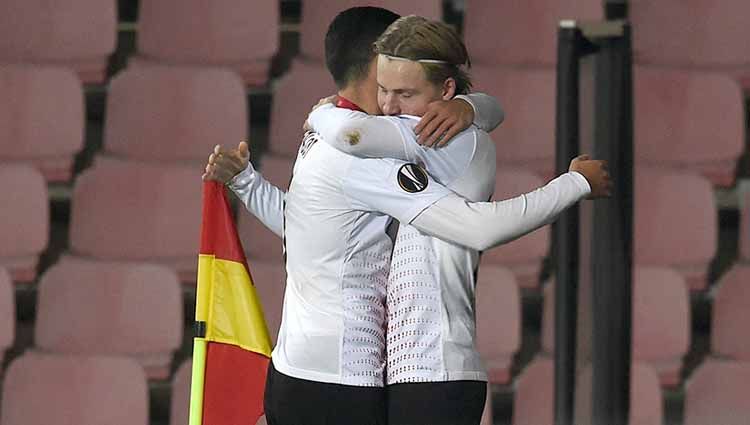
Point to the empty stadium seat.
(259, 242)
(174, 113)
(24, 228)
(685, 241)
(317, 16)
(51, 389)
(730, 336)
(661, 321)
(7, 314)
(524, 255)
(717, 393)
(237, 34)
(533, 403)
(269, 278)
(81, 35)
(694, 121)
(133, 211)
(295, 95)
(529, 29)
(114, 309)
(526, 140)
(498, 301)
(180, 407)
(41, 118)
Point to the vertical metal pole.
(566, 227)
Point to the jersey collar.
(343, 102)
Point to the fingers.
(439, 134)
(583, 157)
(426, 125)
(449, 134)
(244, 149)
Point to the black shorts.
(436, 403)
(292, 401)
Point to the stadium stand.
(24, 228)
(661, 321)
(717, 393)
(104, 308)
(498, 301)
(523, 256)
(690, 121)
(237, 34)
(174, 113)
(730, 336)
(134, 211)
(80, 36)
(7, 315)
(41, 118)
(45, 389)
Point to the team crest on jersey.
(310, 139)
(412, 178)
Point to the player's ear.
(449, 88)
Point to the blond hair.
(435, 45)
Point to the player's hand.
(224, 165)
(324, 101)
(596, 173)
(443, 120)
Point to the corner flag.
(232, 348)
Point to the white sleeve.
(488, 113)
(395, 188)
(359, 134)
(483, 225)
(264, 200)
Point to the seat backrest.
(730, 335)
(497, 301)
(533, 402)
(24, 228)
(7, 312)
(718, 393)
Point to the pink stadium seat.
(133, 211)
(67, 390)
(41, 118)
(24, 228)
(7, 314)
(526, 139)
(661, 321)
(529, 29)
(80, 36)
(689, 120)
(684, 241)
(180, 407)
(718, 393)
(730, 336)
(534, 399)
(498, 301)
(174, 113)
(295, 95)
(269, 278)
(487, 415)
(316, 17)
(259, 242)
(524, 255)
(238, 34)
(113, 309)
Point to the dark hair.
(349, 42)
(417, 38)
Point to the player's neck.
(361, 96)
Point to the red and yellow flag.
(232, 349)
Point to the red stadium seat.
(112, 309)
(498, 301)
(316, 17)
(7, 314)
(133, 211)
(685, 241)
(80, 36)
(524, 255)
(172, 113)
(526, 140)
(51, 389)
(237, 34)
(661, 321)
(296, 93)
(259, 242)
(269, 278)
(24, 228)
(689, 120)
(41, 118)
(717, 393)
(529, 29)
(730, 336)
